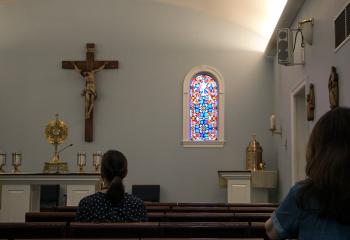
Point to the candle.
(16, 158)
(81, 159)
(2, 158)
(272, 121)
(96, 158)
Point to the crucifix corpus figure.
(89, 91)
(87, 69)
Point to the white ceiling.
(259, 16)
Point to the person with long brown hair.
(112, 204)
(319, 206)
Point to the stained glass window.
(203, 108)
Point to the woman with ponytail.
(112, 204)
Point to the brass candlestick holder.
(96, 161)
(81, 161)
(56, 133)
(273, 127)
(16, 162)
(274, 131)
(2, 161)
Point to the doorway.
(299, 131)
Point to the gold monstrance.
(56, 132)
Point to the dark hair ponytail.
(114, 168)
(116, 190)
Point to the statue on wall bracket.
(333, 88)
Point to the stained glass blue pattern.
(203, 108)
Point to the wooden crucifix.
(87, 69)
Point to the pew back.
(153, 206)
(32, 230)
(50, 217)
(167, 230)
(114, 230)
(160, 217)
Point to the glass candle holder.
(2, 161)
(81, 161)
(96, 161)
(16, 161)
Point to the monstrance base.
(55, 167)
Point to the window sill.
(212, 144)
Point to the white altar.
(20, 193)
(248, 186)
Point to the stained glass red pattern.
(203, 108)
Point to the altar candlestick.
(16, 161)
(96, 160)
(2, 161)
(81, 161)
(272, 121)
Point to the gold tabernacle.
(254, 156)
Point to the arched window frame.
(187, 142)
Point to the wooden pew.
(203, 204)
(199, 209)
(132, 230)
(251, 217)
(212, 230)
(223, 209)
(167, 230)
(252, 209)
(274, 205)
(152, 217)
(153, 206)
(160, 217)
(213, 217)
(64, 209)
(50, 217)
(159, 208)
(156, 216)
(32, 230)
(113, 230)
(246, 208)
(160, 204)
(70, 217)
(198, 217)
(149, 206)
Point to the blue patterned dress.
(98, 208)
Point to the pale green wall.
(319, 59)
(139, 106)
